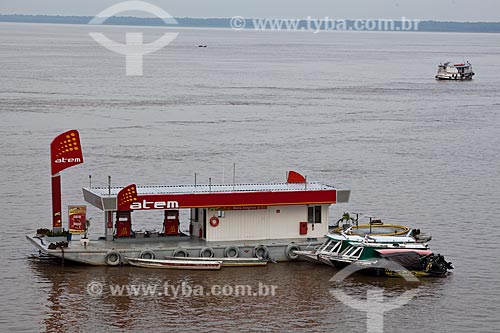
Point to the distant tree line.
(426, 26)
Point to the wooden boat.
(350, 226)
(176, 264)
(226, 262)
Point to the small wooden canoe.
(226, 262)
(176, 264)
(394, 251)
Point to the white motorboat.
(449, 71)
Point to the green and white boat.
(368, 249)
(333, 245)
(336, 243)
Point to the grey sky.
(452, 10)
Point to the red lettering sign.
(77, 216)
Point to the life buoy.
(261, 252)
(290, 251)
(207, 252)
(147, 254)
(214, 221)
(113, 258)
(231, 252)
(180, 252)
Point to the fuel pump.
(123, 224)
(171, 223)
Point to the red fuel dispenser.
(171, 223)
(123, 223)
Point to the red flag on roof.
(65, 151)
(295, 177)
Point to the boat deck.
(160, 242)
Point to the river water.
(355, 109)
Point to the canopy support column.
(108, 225)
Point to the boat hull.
(454, 77)
(338, 263)
(96, 251)
(400, 273)
(369, 251)
(394, 263)
(310, 256)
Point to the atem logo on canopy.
(154, 205)
(128, 199)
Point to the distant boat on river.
(448, 71)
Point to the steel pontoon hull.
(95, 253)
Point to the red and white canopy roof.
(135, 197)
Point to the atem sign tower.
(65, 152)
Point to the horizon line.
(224, 18)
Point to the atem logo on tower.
(65, 151)
(154, 205)
(68, 160)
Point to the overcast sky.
(451, 10)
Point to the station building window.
(314, 214)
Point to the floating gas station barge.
(265, 221)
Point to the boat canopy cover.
(410, 260)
